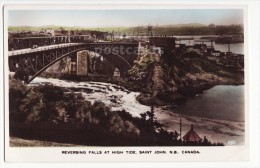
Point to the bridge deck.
(41, 48)
(49, 47)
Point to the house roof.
(191, 136)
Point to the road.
(41, 48)
(49, 47)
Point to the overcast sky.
(104, 18)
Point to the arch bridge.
(35, 61)
(28, 42)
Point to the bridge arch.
(126, 64)
(122, 65)
(35, 61)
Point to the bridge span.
(41, 48)
(48, 50)
(28, 42)
(35, 61)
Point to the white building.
(116, 74)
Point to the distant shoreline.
(182, 29)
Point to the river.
(216, 122)
(100, 91)
(237, 48)
(218, 114)
(224, 102)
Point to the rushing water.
(225, 102)
(116, 97)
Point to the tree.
(212, 25)
(83, 114)
(22, 75)
(17, 92)
(32, 106)
(143, 116)
(151, 116)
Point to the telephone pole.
(180, 128)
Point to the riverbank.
(119, 98)
(224, 102)
(176, 76)
(185, 93)
(215, 130)
(61, 111)
(15, 142)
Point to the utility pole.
(149, 30)
(113, 36)
(180, 129)
(228, 45)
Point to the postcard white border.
(238, 153)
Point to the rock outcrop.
(176, 76)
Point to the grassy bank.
(19, 142)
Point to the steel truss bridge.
(35, 61)
(28, 42)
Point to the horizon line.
(110, 26)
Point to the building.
(116, 74)
(50, 32)
(191, 136)
(216, 53)
(165, 42)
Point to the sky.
(112, 18)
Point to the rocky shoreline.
(177, 83)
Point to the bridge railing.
(27, 42)
(13, 53)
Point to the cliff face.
(61, 67)
(175, 76)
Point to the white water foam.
(116, 97)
